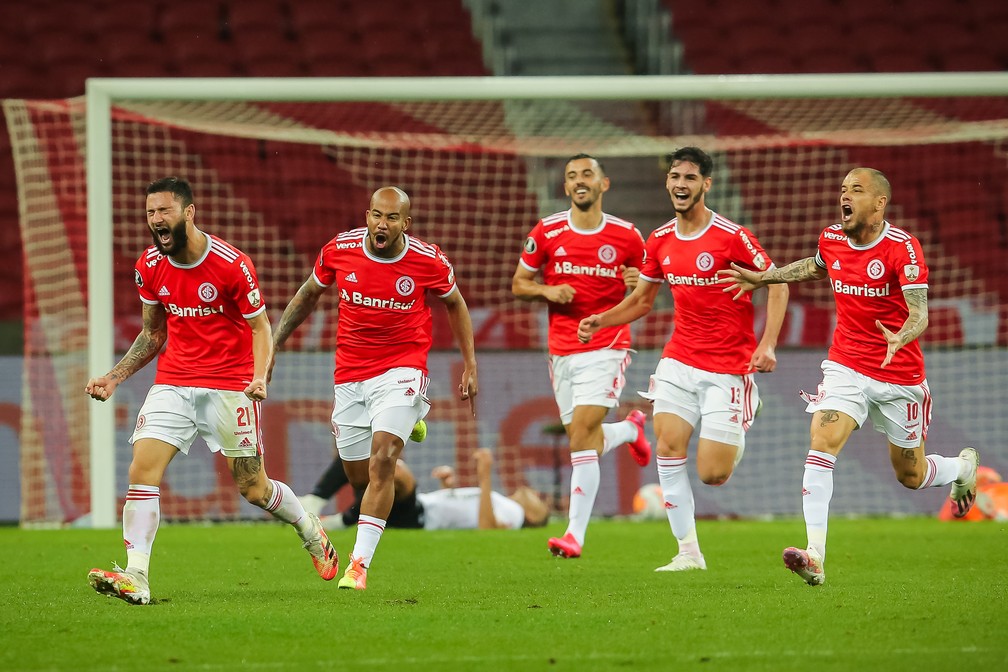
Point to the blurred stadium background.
(280, 179)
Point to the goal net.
(278, 178)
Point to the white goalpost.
(469, 144)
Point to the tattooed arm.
(913, 326)
(741, 280)
(147, 345)
(300, 307)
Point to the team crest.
(876, 269)
(405, 285)
(759, 262)
(607, 254)
(911, 271)
(207, 292)
(705, 261)
(137, 278)
(530, 245)
(141, 421)
(254, 298)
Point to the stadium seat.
(258, 44)
(977, 59)
(317, 15)
(831, 61)
(256, 16)
(766, 62)
(181, 20)
(203, 56)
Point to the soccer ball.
(649, 503)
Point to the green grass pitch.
(901, 594)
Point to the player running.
(875, 366)
(588, 259)
(706, 373)
(383, 335)
(201, 296)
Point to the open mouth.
(164, 235)
(846, 212)
(381, 240)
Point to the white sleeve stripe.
(317, 281)
(251, 315)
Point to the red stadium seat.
(242, 16)
(182, 20)
(971, 60)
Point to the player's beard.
(179, 239)
(591, 197)
(683, 209)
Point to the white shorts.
(725, 402)
(392, 402)
(227, 420)
(592, 378)
(901, 412)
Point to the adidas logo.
(410, 392)
(163, 291)
(733, 419)
(912, 436)
(245, 443)
(670, 505)
(666, 261)
(578, 491)
(805, 491)
(836, 265)
(351, 278)
(560, 252)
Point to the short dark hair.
(582, 155)
(178, 187)
(694, 155)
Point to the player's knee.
(910, 479)
(381, 467)
(255, 493)
(714, 476)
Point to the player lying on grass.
(451, 507)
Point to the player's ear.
(190, 212)
(406, 223)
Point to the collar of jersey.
(383, 260)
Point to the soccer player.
(201, 296)
(383, 335)
(875, 367)
(587, 259)
(706, 373)
(452, 508)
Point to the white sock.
(285, 506)
(617, 433)
(585, 477)
(369, 532)
(141, 517)
(679, 506)
(817, 491)
(943, 470)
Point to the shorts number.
(913, 411)
(244, 417)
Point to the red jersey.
(868, 284)
(588, 261)
(384, 320)
(711, 331)
(208, 303)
